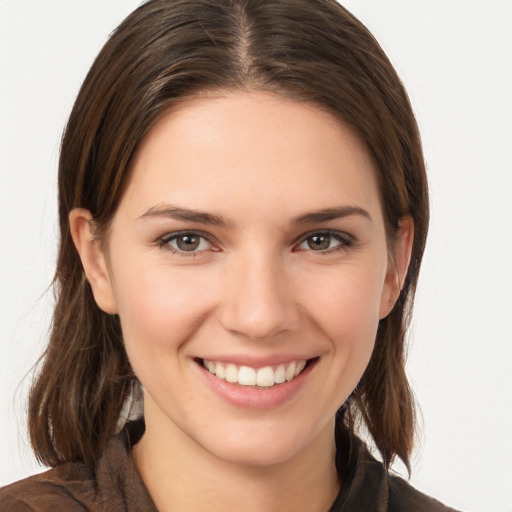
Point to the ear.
(399, 259)
(93, 258)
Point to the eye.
(185, 242)
(325, 241)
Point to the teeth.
(220, 371)
(231, 373)
(300, 366)
(263, 377)
(290, 371)
(280, 375)
(247, 376)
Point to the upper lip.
(256, 361)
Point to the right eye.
(185, 243)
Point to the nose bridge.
(258, 302)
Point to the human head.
(163, 54)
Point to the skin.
(254, 290)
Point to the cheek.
(158, 306)
(348, 297)
(345, 308)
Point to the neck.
(181, 475)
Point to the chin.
(262, 444)
(256, 454)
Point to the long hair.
(163, 53)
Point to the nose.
(258, 300)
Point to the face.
(249, 266)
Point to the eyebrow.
(328, 214)
(183, 214)
(188, 215)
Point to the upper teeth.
(247, 376)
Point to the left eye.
(323, 242)
(186, 242)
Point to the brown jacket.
(114, 485)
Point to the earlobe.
(93, 258)
(398, 265)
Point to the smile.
(266, 377)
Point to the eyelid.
(346, 240)
(163, 241)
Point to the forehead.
(251, 150)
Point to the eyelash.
(164, 242)
(345, 242)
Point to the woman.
(243, 211)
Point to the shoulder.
(368, 486)
(110, 485)
(404, 497)
(55, 489)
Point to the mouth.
(264, 377)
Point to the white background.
(455, 58)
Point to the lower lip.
(256, 398)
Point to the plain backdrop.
(455, 58)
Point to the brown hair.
(164, 52)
